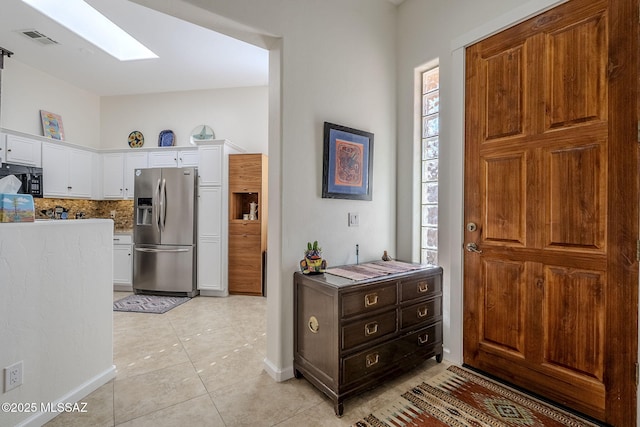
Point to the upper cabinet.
(113, 175)
(211, 168)
(118, 171)
(173, 158)
(68, 171)
(3, 147)
(23, 151)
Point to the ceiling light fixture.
(88, 23)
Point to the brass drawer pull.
(423, 339)
(370, 299)
(423, 311)
(372, 359)
(423, 287)
(370, 328)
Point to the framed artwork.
(347, 163)
(52, 125)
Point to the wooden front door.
(551, 207)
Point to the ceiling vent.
(38, 37)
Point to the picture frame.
(347, 168)
(52, 125)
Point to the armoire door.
(551, 188)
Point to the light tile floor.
(201, 364)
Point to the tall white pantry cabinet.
(213, 216)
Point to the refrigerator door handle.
(160, 250)
(163, 204)
(156, 206)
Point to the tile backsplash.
(92, 209)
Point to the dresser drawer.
(369, 329)
(370, 299)
(420, 288)
(422, 341)
(422, 312)
(371, 361)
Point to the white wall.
(337, 64)
(26, 91)
(56, 312)
(239, 115)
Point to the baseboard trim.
(279, 375)
(75, 395)
(212, 293)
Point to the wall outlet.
(354, 219)
(13, 376)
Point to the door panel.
(505, 199)
(551, 179)
(504, 309)
(577, 209)
(577, 87)
(575, 309)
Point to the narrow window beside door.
(430, 94)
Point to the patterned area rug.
(460, 398)
(148, 303)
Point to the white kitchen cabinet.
(132, 161)
(210, 211)
(23, 151)
(188, 158)
(118, 172)
(3, 147)
(163, 159)
(68, 171)
(173, 158)
(113, 175)
(122, 262)
(210, 271)
(213, 217)
(210, 168)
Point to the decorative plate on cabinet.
(136, 139)
(166, 138)
(202, 133)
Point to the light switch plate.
(354, 219)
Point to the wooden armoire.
(247, 236)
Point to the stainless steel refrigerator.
(165, 231)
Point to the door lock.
(472, 227)
(472, 247)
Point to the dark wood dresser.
(351, 335)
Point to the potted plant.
(313, 262)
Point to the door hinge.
(638, 250)
(637, 374)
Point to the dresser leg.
(338, 407)
(297, 374)
(439, 357)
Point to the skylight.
(88, 23)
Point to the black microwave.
(29, 176)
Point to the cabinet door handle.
(372, 359)
(423, 339)
(370, 299)
(370, 329)
(423, 311)
(423, 287)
